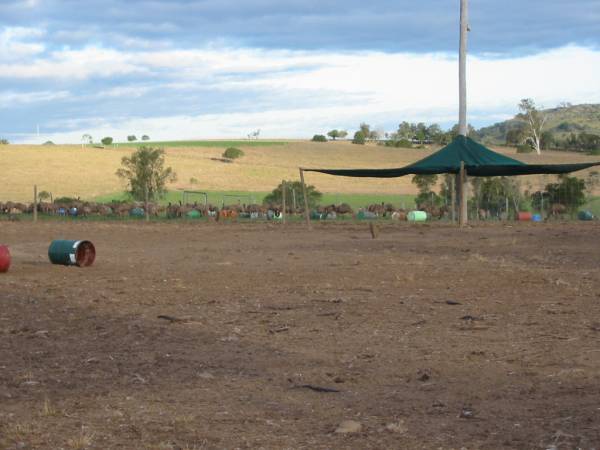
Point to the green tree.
(359, 138)
(145, 137)
(516, 136)
(334, 134)
(144, 171)
(366, 130)
(3, 141)
(294, 188)
(569, 191)
(404, 131)
(131, 138)
(535, 121)
(107, 140)
(342, 134)
(319, 138)
(44, 195)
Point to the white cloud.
(348, 87)
(15, 43)
(9, 99)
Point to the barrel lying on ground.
(72, 253)
(417, 216)
(4, 258)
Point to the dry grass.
(90, 172)
(82, 441)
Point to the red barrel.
(524, 216)
(4, 259)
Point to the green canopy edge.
(479, 161)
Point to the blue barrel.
(585, 215)
(536, 218)
(72, 253)
(137, 212)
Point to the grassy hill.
(89, 173)
(561, 121)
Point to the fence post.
(306, 211)
(146, 212)
(283, 186)
(35, 206)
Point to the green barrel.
(72, 253)
(585, 215)
(193, 214)
(417, 216)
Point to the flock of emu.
(180, 210)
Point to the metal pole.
(462, 67)
(306, 211)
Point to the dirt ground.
(430, 336)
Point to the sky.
(197, 69)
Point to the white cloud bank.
(275, 86)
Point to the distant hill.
(561, 121)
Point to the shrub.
(359, 138)
(524, 148)
(145, 137)
(48, 143)
(193, 180)
(232, 153)
(319, 138)
(3, 141)
(131, 138)
(65, 200)
(401, 143)
(107, 140)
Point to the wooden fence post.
(283, 188)
(35, 205)
(146, 212)
(306, 211)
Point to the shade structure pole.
(463, 130)
(306, 212)
(462, 68)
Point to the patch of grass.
(48, 410)
(82, 441)
(208, 143)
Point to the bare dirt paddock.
(432, 337)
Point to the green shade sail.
(479, 161)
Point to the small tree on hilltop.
(535, 120)
(334, 134)
(145, 137)
(145, 172)
(131, 138)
